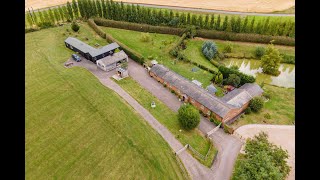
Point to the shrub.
(213, 34)
(289, 59)
(188, 116)
(190, 31)
(267, 116)
(181, 56)
(228, 48)
(209, 49)
(256, 104)
(174, 52)
(260, 51)
(145, 37)
(235, 67)
(75, 27)
(266, 95)
(164, 85)
(247, 110)
(233, 80)
(215, 121)
(244, 77)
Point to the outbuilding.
(111, 62)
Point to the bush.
(228, 48)
(256, 104)
(215, 121)
(181, 56)
(172, 91)
(257, 38)
(244, 77)
(233, 80)
(188, 116)
(190, 31)
(145, 37)
(227, 129)
(75, 27)
(260, 51)
(138, 27)
(289, 59)
(247, 110)
(267, 116)
(164, 85)
(270, 62)
(174, 52)
(266, 95)
(209, 49)
(235, 67)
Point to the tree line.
(139, 14)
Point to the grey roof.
(89, 49)
(211, 89)
(197, 93)
(114, 58)
(197, 82)
(239, 97)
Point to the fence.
(198, 154)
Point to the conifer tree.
(188, 19)
(212, 22)
(46, 16)
(259, 27)
(238, 25)
(29, 19)
(51, 15)
(160, 16)
(66, 13)
(244, 27)
(35, 18)
(75, 9)
(265, 28)
(171, 15)
(229, 28)
(233, 24)
(80, 7)
(217, 26)
(194, 20)
(293, 30)
(206, 22)
(134, 13)
(200, 21)
(166, 16)
(225, 24)
(251, 30)
(61, 14)
(70, 13)
(183, 18)
(104, 9)
(99, 8)
(56, 14)
(41, 17)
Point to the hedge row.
(179, 42)
(27, 30)
(289, 59)
(212, 34)
(96, 28)
(130, 52)
(244, 77)
(138, 27)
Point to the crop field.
(75, 127)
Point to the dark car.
(76, 57)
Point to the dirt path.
(251, 7)
(281, 135)
(194, 168)
(227, 145)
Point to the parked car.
(76, 57)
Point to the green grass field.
(76, 128)
(158, 51)
(168, 118)
(281, 107)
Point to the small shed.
(197, 83)
(211, 89)
(111, 62)
(122, 72)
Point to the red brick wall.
(234, 112)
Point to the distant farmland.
(77, 128)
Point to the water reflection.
(286, 77)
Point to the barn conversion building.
(88, 51)
(111, 62)
(223, 109)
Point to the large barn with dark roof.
(224, 109)
(88, 51)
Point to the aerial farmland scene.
(146, 89)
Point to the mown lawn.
(281, 108)
(78, 129)
(168, 118)
(156, 49)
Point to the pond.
(252, 67)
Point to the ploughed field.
(75, 127)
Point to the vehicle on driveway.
(76, 57)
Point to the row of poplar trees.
(138, 14)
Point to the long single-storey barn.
(88, 51)
(223, 109)
(110, 62)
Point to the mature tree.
(56, 14)
(238, 25)
(99, 8)
(263, 160)
(51, 15)
(188, 116)
(61, 13)
(70, 12)
(225, 24)
(212, 22)
(251, 29)
(29, 19)
(66, 13)
(75, 9)
(233, 24)
(183, 18)
(34, 17)
(266, 26)
(104, 9)
(194, 20)
(200, 21)
(171, 15)
(233, 80)
(244, 27)
(217, 26)
(46, 16)
(259, 27)
(188, 19)
(270, 61)
(256, 104)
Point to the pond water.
(252, 67)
